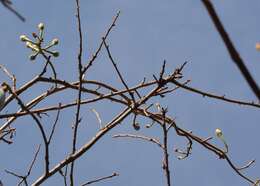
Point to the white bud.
(55, 41)
(40, 26)
(218, 133)
(28, 44)
(32, 46)
(24, 38)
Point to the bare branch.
(113, 123)
(223, 98)
(80, 76)
(38, 124)
(231, 48)
(165, 150)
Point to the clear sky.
(146, 33)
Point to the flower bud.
(55, 53)
(55, 41)
(40, 26)
(136, 126)
(24, 38)
(218, 133)
(32, 46)
(28, 44)
(34, 35)
(32, 57)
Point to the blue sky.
(146, 33)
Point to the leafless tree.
(136, 104)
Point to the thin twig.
(34, 159)
(246, 166)
(117, 70)
(100, 179)
(80, 75)
(146, 138)
(11, 76)
(39, 126)
(223, 98)
(24, 178)
(54, 125)
(8, 4)
(98, 117)
(186, 153)
(89, 64)
(165, 150)
(64, 175)
(48, 62)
